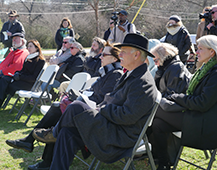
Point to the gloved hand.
(16, 76)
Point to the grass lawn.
(14, 159)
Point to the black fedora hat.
(137, 41)
(18, 34)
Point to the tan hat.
(13, 13)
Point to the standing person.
(10, 27)
(121, 115)
(198, 108)
(25, 78)
(201, 28)
(64, 31)
(212, 27)
(107, 32)
(124, 27)
(178, 36)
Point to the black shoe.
(39, 166)
(26, 146)
(44, 135)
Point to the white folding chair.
(77, 83)
(142, 145)
(39, 96)
(212, 153)
(89, 82)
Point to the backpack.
(128, 28)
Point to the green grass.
(15, 159)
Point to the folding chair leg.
(212, 159)
(92, 164)
(30, 114)
(14, 104)
(177, 158)
(206, 154)
(98, 165)
(151, 159)
(19, 114)
(6, 101)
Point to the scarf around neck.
(173, 30)
(31, 56)
(104, 70)
(64, 32)
(199, 74)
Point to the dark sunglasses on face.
(72, 48)
(213, 12)
(65, 42)
(111, 22)
(104, 54)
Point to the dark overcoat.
(200, 119)
(111, 133)
(106, 83)
(92, 65)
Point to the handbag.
(61, 70)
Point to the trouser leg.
(67, 144)
(66, 119)
(164, 123)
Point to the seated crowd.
(124, 98)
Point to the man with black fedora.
(10, 27)
(122, 28)
(111, 130)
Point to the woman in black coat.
(197, 116)
(110, 72)
(172, 76)
(178, 36)
(24, 79)
(64, 31)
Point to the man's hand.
(209, 25)
(9, 33)
(121, 28)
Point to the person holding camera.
(212, 26)
(201, 28)
(120, 30)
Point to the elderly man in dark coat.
(112, 129)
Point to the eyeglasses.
(213, 12)
(111, 22)
(72, 48)
(104, 54)
(156, 60)
(65, 42)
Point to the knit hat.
(175, 18)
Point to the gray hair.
(209, 41)
(143, 54)
(214, 6)
(78, 45)
(164, 51)
(24, 41)
(100, 41)
(69, 39)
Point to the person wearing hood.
(178, 36)
(25, 78)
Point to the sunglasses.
(111, 22)
(72, 48)
(213, 12)
(104, 54)
(65, 42)
(156, 60)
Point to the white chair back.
(78, 81)
(48, 73)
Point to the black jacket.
(59, 38)
(199, 124)
(75, 65)
(213, 29)
(106, 83)
(16, 27)
(172, 77)
(92, 65)
(182, 41)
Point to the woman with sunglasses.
(25, 78)
(212, 27)
(197, 116)
(110, 73)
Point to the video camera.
(115, 17)
(207, 16)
